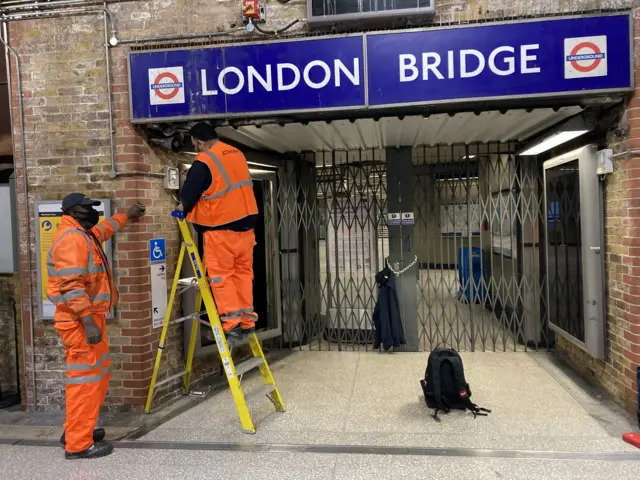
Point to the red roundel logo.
(585, 51)
(168, 89)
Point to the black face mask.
(88, 218)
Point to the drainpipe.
(110, 41)
(25, 186)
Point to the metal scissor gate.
(233, 372)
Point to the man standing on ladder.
(81, 286)
(218, 198)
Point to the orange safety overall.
(228, 255)
(81, 284)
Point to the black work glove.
(93, 332)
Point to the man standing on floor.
(82, 288)
(218, 199)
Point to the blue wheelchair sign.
(157, 250)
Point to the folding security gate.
(478, 229)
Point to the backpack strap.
(437, 388)
(461, 385)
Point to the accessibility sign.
(158, 266)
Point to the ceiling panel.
(367, 133)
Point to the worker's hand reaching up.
(136, 211)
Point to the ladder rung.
(171, 378)
(247, 365)
(259, 393)
(188, 282)
(188, 317)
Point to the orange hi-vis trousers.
(228, 257)
(88, 375)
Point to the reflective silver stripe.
(101, 297)
(235, 186)
(103, 232)
(66, 271)
(221, 170)
(114, 224)
(88, 378)
(81, 292)
(215, 280)
(235, 313)
(225, 178)
(86, 366)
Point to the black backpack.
(444, 385)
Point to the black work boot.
(97, 450)
(234, 334)
(248, 331)
(98, 435)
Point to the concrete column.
(401, 243)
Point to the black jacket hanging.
(386, 315)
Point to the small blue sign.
(157, 250)
(549, 57)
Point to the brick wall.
(622, 249)
(8, 341)
(68, 149)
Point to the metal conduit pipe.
(4, 38)
(181, 36)
(64, 13)
(38, 6)
(108, 40)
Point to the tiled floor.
(358, 398)
(375, 399)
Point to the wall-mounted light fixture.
(565, 132)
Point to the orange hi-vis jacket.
(80, 282)
(230, 196)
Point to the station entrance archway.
(473, 200)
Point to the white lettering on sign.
(266, 81)
(316, 74)
(470, 63)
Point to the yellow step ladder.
(233, 372)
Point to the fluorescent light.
(468, 157)
(553, 141)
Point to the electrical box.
(172, 179)
(253, 11)
(605, 161)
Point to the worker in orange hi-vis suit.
(82, 288)
(218, 198)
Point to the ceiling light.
(553, 141)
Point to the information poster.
(455, 218)
(48, 218)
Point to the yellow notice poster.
(48, 219)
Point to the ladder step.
(188, 317)
(259, 393)
(247, 365)
(171, 378)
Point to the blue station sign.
(550, 57)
